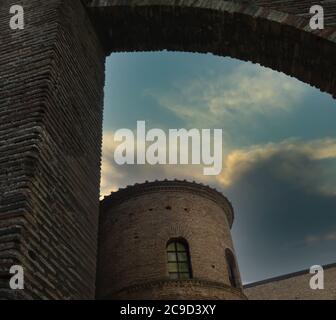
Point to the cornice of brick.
(193, 187)
(188, 283)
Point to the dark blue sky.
(279, 149)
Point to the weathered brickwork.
(175, 290)
(51, 95)
(300, 8)
(135, 225)
(294, 287)
(276, 35)
(52, 76)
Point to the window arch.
(178, 259)
(232, 269)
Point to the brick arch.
(269, 33)
(172, 232)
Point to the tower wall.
(137, 223)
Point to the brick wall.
(134, 232)
(276, 35)
(300, 8)
(51, 89)
(294, 287)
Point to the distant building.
(167, 240)
(172, 240)
(294, 286)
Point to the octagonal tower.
(167, 240)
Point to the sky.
(279, 149)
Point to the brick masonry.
(51, 96)
(294, 287)
(135, 225)
(52, 77)
(275, 34)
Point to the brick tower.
(167, 240)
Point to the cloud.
(109, 172)
(284, 196)
(298, 162)
(315, 239)
(301, 163)
(115, 176)
(222, 99)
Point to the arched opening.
(272, 34)
(178, 259)
(272, 124)
(232, 269)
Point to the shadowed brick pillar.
(51, 98)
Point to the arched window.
(178, 258)
(232, 269)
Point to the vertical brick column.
(51, 98)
